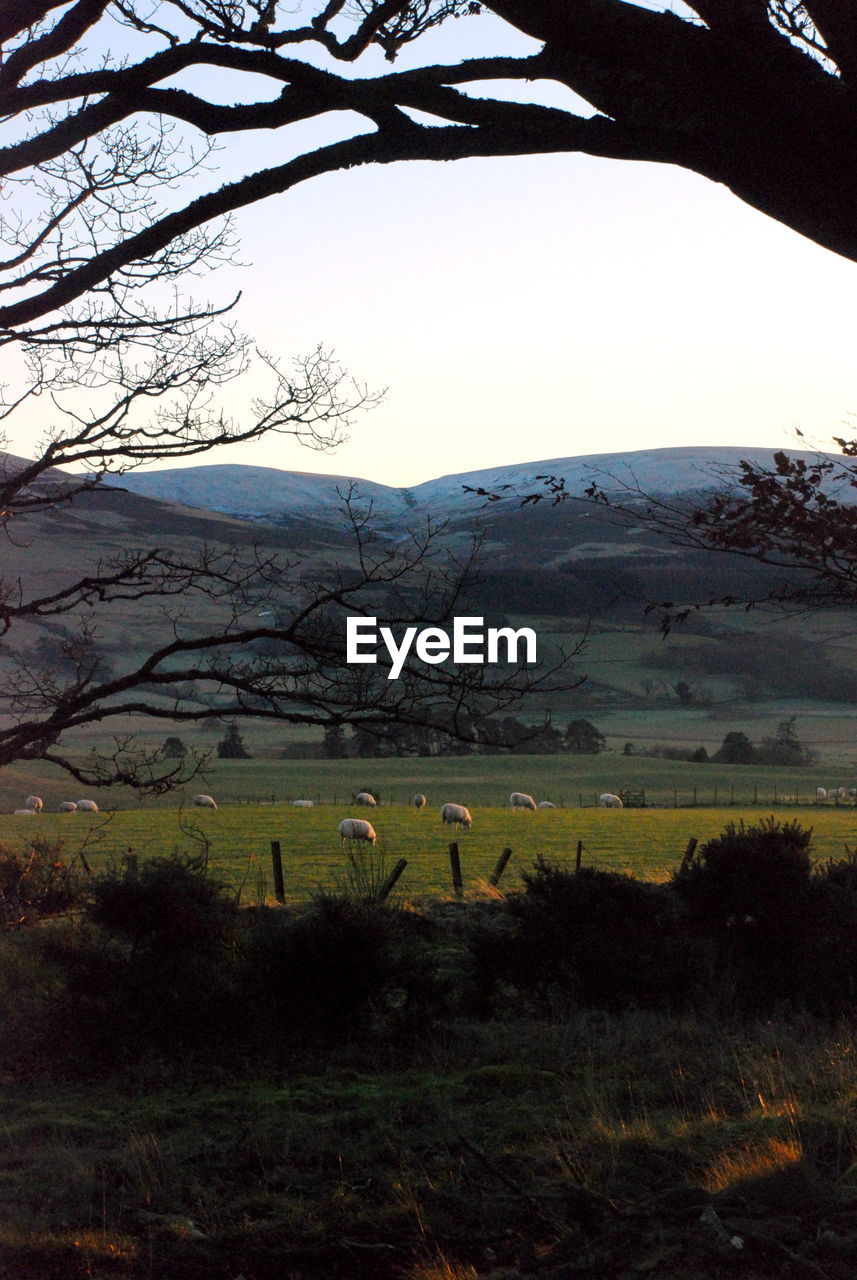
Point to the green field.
(647, 842)
(571, 781)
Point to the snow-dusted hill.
(265, 493)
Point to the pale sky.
(531, 308)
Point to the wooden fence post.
(579, 856)
(455, 864)
(277, 863)
(391, 879)
(689, 852)
(495, 875)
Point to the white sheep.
(820, 793)
(87, 806)
(365, 797)
(841, 793)
(357, 829)
(546, 804)
(34, 803)
(302, 804)
(67, 806)
(607, 800)
(204, 802)
(419, 801)
(456, 815)
(520, 800)
(19, 813)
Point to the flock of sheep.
(33, 805)
(452, 815)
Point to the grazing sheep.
(67, 806)
(365, 797)
(357, 829)
(608, 801)
(841, 793)
(419, 801)
(456, 815)
(302, 804)
(87, 806)
(204, 802)
(546, 804)
(820, 793)
(34, 803)
(21, 812)
(520, 800)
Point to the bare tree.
(244, 633)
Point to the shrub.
(593, 938)
(152, 970)
(760, 871)
(749, 891)
(37, 882)
(339, 971)
(830, 947)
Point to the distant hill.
(565, 570)
(266, 494)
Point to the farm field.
(645, 842)
(570, 781)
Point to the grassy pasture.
(646, 842)
(477, 781)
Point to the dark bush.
(38, 882)
(153, 968)
(829, 954)
(591, 938)
(760, 871)
(749, 890)
(339, 971)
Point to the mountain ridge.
(263, 493)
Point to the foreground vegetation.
(600, 1146)
(590, 1076)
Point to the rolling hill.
(566, 570)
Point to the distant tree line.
(504, 735)
(782, 748)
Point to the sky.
(537, 307)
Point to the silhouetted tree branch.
(243, 633)
(111, 149)
(797, 515)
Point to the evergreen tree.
(736, 748)
(334, 746)
(231, 745)
(582, 738)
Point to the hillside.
(268, 494)
(566, 570)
